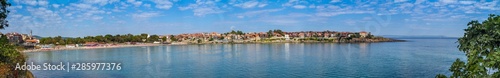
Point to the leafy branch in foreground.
(481, 45)
(9, 55)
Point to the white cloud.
(145, 15)
(135, 3)
(82, 6)
(396, 1)
(240, 16)
(93, 10)
(262, 5)
(97, 18)
(68, 14)
(258, 12)
(284, 22)
(147, 5)
(350, 22)
(467, 2)
(448, 1)
(333, 13)
(202, 8)
(163, 4)
(334, 1)
(299, 6)
(332, 10)
(100, 2)
(47, 17)
(55, 5)
(312, 6)
(43, 3)
(290, 3)
(205, 11)
(17, 7)
(489, 5)
(31, 2)
(248, 4)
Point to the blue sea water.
(415, 58)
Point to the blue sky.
(74, 18)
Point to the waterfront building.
(363, 34)
(15, 38)
(287, 37)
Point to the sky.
(78, 18)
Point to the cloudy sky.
(73, 18)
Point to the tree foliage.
(270, 33)
(9, 55)
(99, 38)
(481, 44)
(3, 14)
(153, 38)
(238, 32)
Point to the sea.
(414, 58)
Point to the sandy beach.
(95, 47)
(187, 43)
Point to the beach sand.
(96, 47)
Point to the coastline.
(184, 43)
(84, 48)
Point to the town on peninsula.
(30, 43)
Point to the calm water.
(416, 58)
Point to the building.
(15, 38)
(32, 41)
(344, 34)
(287, 37)
(363, 34)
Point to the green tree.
(355, 35)
(144, 36)
(69, 41)
(199, 40)
(57, 39)
(369, 36)
(9, 55)
(47, 40)
(100, 38)
(89, 39)
(240, 32)
(108, 38)
(3, 13)
(211, 39)
(153, 38)
(136, 38)
(79, 40)
(270, 33)
(119, 38)
(163, 38)
(232, 32)
(172, 37)
(481, 45)
(128, 38)
(279, 32)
